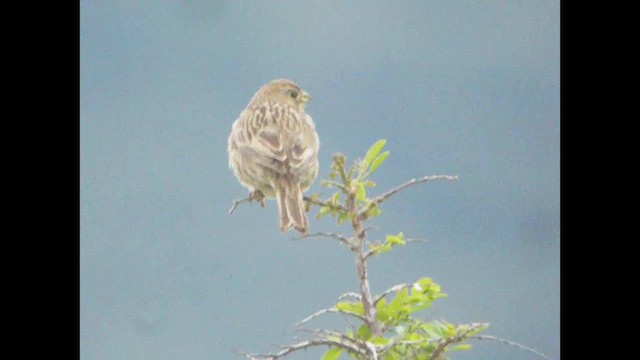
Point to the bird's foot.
(258, 196)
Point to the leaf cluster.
(405, 336)
(353, 180)
(387, 327)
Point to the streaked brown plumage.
(273, 149)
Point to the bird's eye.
(294, 94)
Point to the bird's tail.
(290, 204)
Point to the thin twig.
(327, 311)
(324, 203)
(385, 196)
(238, 202)
(335, 184)
(460, 337)
(373, 252)
(343, 239)
(300, 346)
(315, 315)
(371, 348)
(390, 290)
(511, 343)
(327, 334)
(350, 294)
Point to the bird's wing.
(269, 142)
(305, 145)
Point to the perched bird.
(273, 150)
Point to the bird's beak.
(305, 97)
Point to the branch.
(460, 337)
(361, 265)
(238, 202)
(334, 184)
(395, 342)
(390, 290)
(350, 294)
(343, 239)
(301, 346)
(509, 342)
(328, 334)
(372, 252)
(379, 199)
(325, 204)
(305, 198)
(340, 161)
(365, 346)
(315, 315)
(372, 350)
(326, 311)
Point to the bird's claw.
(258, 196)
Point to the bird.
(273, 150)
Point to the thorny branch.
(373, 252)
(343, 239)
(511, 343)
(460, 337)
(327, 311)
(238, 202)
(390, 290)
(356, 244)
(361, 261)
(303, 345)
(350, 294)
(383, 197)
(328, 204)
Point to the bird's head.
(284, 92)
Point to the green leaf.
(350, 307)
(363, 332)
(434, 330)
(383, 315)
(343, 216)
(323, 212)
(335, 198)
(395, 239)
(372, 211)
(378, 161)
(377, 340)
(369, 183)
(414, 337)
(373, 151)
(477, 330)
(417, 297)
(402, 294)
(332, 354)
(459, 347)
(382, 311)
(361, 193)
(450, 330)
(426, 285)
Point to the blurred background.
(467, 88)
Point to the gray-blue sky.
(459, 87)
